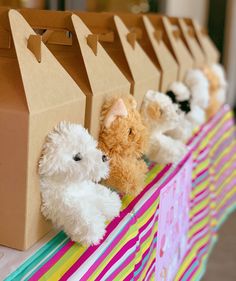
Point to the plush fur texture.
(217, 88)
(223, 85)
(198, 85)
(70, 167)
(124, 140)
(161, 116)
(182, 99)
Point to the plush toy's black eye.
(130, 131)
(77, 157)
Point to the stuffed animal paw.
(127, 175)
(70, 167)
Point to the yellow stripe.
(200, 225)
(193, 253)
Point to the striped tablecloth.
(128, 252)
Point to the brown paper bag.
(168, 64)
(83, 57)
(125, 51)
(36, 93)
(188, 36)
(174, 42)
(209, 49)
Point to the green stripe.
(33, 261)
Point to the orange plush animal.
(123, 137)
(217, 88)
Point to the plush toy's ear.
(117, 109)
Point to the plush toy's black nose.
(104, 158)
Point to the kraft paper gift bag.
(81, 54)
(174, 43)
(35, 94)
(125, 51)
(189, 38)
(168, 64)
(210, 51)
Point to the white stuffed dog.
(160, 115)
(70, 167)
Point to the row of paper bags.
(81, 68)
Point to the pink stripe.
(191, 264)
(224, 160)
(90, 251)
(193, 240)
(232, 184)
(129, 277)
(206, 190)
(222, 147)
(224, 127)
(193, 261)
(51, 262)
(148, 203)
(207, 128)
(199, 258)
(202, 172)
(150, 269)
(152, 220)
(110, 228)
(119, 269)
(221, 185)
(196, 219)
(201, 233)
(201, 198)
(117, 257)
(195, 222)
(227, 205)
(148, 252)
(203, 150)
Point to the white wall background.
(197, 9)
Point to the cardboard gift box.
(210, 51)
(172, 37)
(188, 36)
(168, 64)
(154, 46)
(36, 93)
(125, 51)
(81, 54)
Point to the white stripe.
(92, 259)
(42, 261)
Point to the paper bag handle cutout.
(158, 34)
(92, 41)
(131, 38)
(34, 45)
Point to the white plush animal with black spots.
(70, 168)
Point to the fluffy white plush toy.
(180, 95)
(219, 71)
(70, 168)
(192, 96)
(160, 115)
(198, 85)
